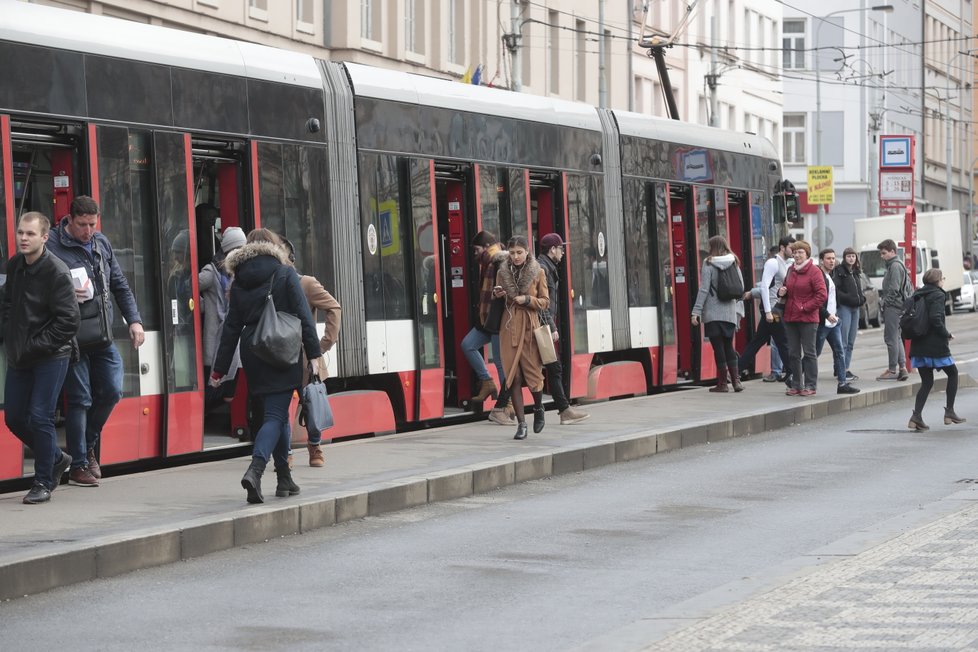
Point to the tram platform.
(158, 517)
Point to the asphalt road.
(547, 565)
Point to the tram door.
(547, 216)
(219, 200)
(684, 275)
(457, 225)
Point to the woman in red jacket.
(805, 293)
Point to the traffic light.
(785, 202)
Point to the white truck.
(938, 245)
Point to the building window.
(554, 52)
(581, 59)
(304, 11)
(414, 26)
(793, 143)
(261, 5)
(456, 31)
(370, 19)
(793, 44)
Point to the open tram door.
(220, 191)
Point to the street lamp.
(818, 101)
(948, 151)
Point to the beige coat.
(320, 299)
(517, 345)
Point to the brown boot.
(487, 388)
(735, 378)
(316, 457)
(721, 386)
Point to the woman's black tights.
(723, 352)
(517, 394)
(927, 383)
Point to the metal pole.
(631, 48)
(514, 14)
(602, 89)
(714, 119)
(820, 222)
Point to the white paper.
(81, 281)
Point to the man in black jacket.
(40, 318)
(551, 253)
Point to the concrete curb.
(90, 559)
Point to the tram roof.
(113, 37)
(655, 128)
(445, 93)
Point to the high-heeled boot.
(950, 417)
(520, 431)
(487, 388)
(721, 385)
(917, 422)
(252, 480)
(286, 485)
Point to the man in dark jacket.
(40, 318)
(896, 288)
(94, 383)
(551, 253)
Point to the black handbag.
(277, 340)
(315, 413)
(93, 329)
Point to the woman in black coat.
(931, 351)
(262, 260)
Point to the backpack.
(730, 286)
(914, 320)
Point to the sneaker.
(571, 416)
(887, 375)
(38, 494)
(316, 457)
(93, 465)
(499, 416)
(82, 477)
(903, 374)
(847, 389)
(851, 376)
(807, 392)
(772, 378)
(792, 392)
(59, 469)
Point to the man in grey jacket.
(896, 288)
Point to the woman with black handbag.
(261, 270)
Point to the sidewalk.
(143, 520)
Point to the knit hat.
(233, 238)
(550, 240)
(483, 239)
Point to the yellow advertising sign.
(820, 188)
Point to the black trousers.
(555, 379)
(765, 331)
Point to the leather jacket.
(39, 311)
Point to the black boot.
(539, 421)
(286, 485)
(520, 431)
(252, 480)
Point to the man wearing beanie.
(489, 254)
(551, 253)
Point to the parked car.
(968, 299)
(869, 313)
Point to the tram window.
(132, 91)
(281, 111)
(42, 80)
(517, 201)
(704, 211)
(294, 202)
(639, 219)
(664, 256)
(384, 259)
(3, 267)
(492, 196)
(426, 270)
(588, 260)
(208, 101)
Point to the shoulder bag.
(93, 329)
(315, 414)
(277, 340)
(545, 343)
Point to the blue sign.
(895, 151)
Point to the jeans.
(31, 398)
(895, 355)
(849, 324)
(834, 337)
(93, 387)
(801, 346)
(777, 368)
(274, 436)
(472, 348)
(765, 332)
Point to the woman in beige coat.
(524, 284)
